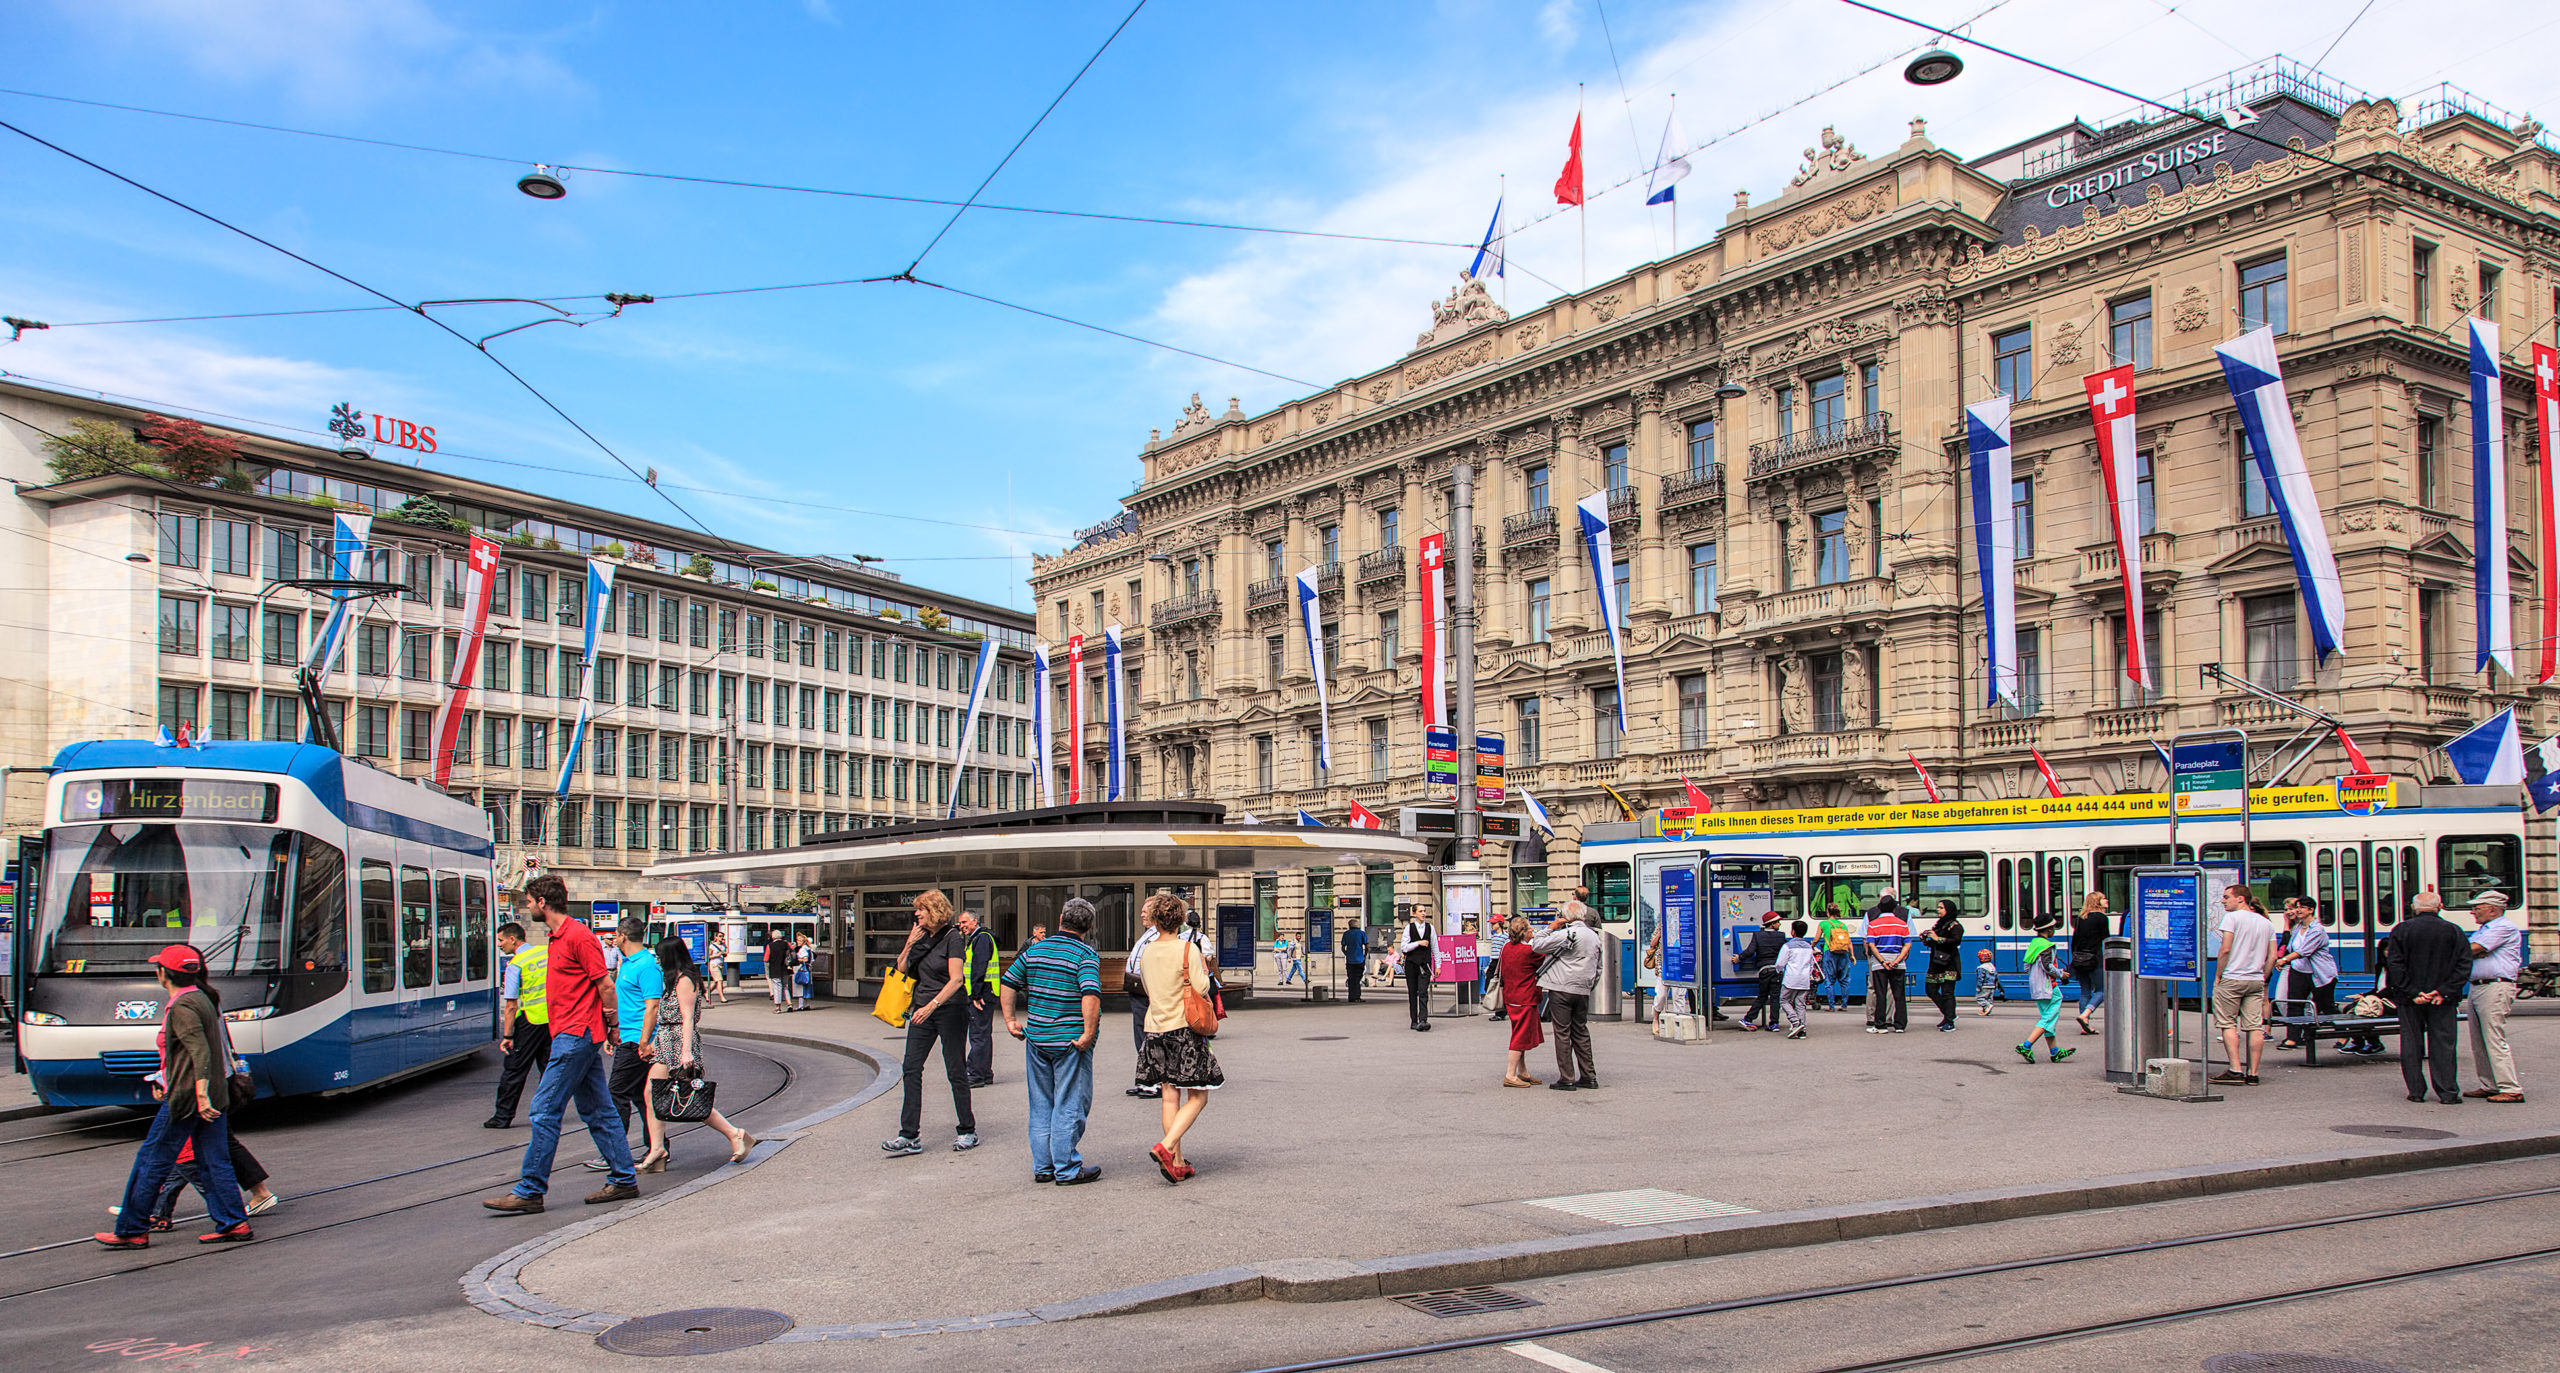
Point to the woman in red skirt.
(1519, 972)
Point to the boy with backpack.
(1835, 943)
(2047, 970)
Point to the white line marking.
(1563, 1363)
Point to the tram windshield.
(115, 894)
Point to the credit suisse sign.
(2142, 168)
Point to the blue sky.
(786, 412)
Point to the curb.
(496, 1287)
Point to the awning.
(1048, 853)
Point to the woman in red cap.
(194, 1091)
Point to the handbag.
(1493, 1002)
(1198, 1012)
(897, 996)
(800, 977)
(239, 1084)
(682, 1098)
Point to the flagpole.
(1582, 204)
(1675, 194)
(1502, 190)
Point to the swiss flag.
(1362, 818)
(1699, 802)
(2354, 755)
(1569, 181)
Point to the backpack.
(1839, 939)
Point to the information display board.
(2211, 777)
(1440, 755)
(1489, 770)
(1679, 927)
(1320, 931)
(1236, 936)
(2169, 922)
(696, 935)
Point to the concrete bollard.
(2169, 1077)
(1681, 1029)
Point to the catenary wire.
(1115, 333)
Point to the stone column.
(1572, 608)
(1296, 555)
(1230, 576)
(1649, 590)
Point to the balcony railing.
(1823, 443)
(1381, 565)
(1817, 602)
(1622, 503)
(1266, 593)
(2139, 722)
(1694, 488)
(2007, 736)
(1329, 577)
(2101, 560)
(1183, 610)
(1853, 745)
(1529, 527)
(2248, 712)
(2450, 703)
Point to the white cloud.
(1560, 21)
(329, 54)
(164, 368)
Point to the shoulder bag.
(682, 1098)
(1197, 1011)
(241, 1086)
(897, 997)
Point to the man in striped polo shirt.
(1053, 1003)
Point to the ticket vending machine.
(1740, 891)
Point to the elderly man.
(2428, 962)
(1571, 970)
(2497, 956)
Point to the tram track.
(477, 1188)
(1802, 1296)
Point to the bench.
(2311, 1029)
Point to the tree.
(427, 514)
(931, 618)
(95, 448)
(191, 453)
(803, 902)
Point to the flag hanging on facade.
(2492, 610)
(2165, 764)
(2542, 774)
(482, 565)
(348, 536)
(1310, 615)
(2120, 467)
(1537, 812)
(1995, 543)
(2256, 379)
(1488, 261)
(1115, 734)
(1569, 181)
(1040, 724)
(1435, 614)
(1363, 818)
(1928, 783)
(2546, 418)
(2355, 756)
(969, 723)
(599, 596)
(1670, 160)
(1075, 718)
(1245, 817)
(1308, 820)
(2052, 785)
(2489, 753)
(1594, 510)
(1699, 802)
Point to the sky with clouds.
(946, 434)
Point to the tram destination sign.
(2211, 776)
(170, 798)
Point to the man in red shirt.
(580, 993)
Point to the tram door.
(2362, 889)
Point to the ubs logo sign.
(347, 422)
(137, 1010)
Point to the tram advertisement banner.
(2168, 923)
(1456, 961)
(2025, 811)
(1679, 927)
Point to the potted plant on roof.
(931, 618)
(698, 566)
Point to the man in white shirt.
(1416, 947)
(2240, 987)
(2497, 957)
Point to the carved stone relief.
(1194, 416)
(1531, 335)
(1838, 214)
(1468, 307)
(2066, 343)
(2191, 313)
(1854, 692)
(1691, 276)
(1795, 695)
(1605, 308)
(1836, 154)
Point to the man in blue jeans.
(576, 984)
(1053, 1003)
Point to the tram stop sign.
(2212, 777)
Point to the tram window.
(2386, 894)
(2027, 893)
(417, 929)
(1612, 892)
(2409, 883)
(320, 909)
(2053, 886)
(2325, 864)
(1850, 897)
(2079, 882)
(448, 920)
(1964, 878)
(2350, 907)
(381, 932)
(2469, 864)
(475, 928)
(2115, 869)
(2008, 920)
(2277, 872)
(1786, 888)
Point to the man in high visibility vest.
(978, 961)
(526, 1040)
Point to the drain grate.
(703, 1330)
(2294, 1363)
(1641, 1206)
(1466, 1301)
(2386, 1132)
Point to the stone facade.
(1802, 606)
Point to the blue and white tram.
(2008, 863)
(344, 914)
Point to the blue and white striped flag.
(1305, 819)
(2542, 774)
(969, 723)
(1537, 813)
(1040, 725)
(1310, 614)
(1593, 511)
(2493, 610)
(2256, 379)
(348, 537)
(599, 596)
(1995, 542)
(2489, 753)
(1668, 166)
(1115, 693)
(1488, 262)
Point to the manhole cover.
(2382, 1132)
(1320, 1039)
(1641, 1206)
(703, 1330)
(2294, 1363)
(1466, 1301)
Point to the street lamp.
(542, 183)
(1936, 67)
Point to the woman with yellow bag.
(932, 957)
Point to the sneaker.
(1895, 1030)
(229, 1234)
(2061, 1054)
(112, 1240)
(964, 1144)
(1944, 1028)
(1795, 1034)
(2227, 1078)
(900, 1146)
(2026, 1051)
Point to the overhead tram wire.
(1115, 333)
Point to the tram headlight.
(250, 1013)
(41, 1018)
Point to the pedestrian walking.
(638, 986)
(804, 958)
(1052, 1002)
(2429, 963)
(2089, 932)
(1944, 939)
(1762, 958)
(675, 1050)
(1284, 952)
(526, 1042)
(1797, 960)
(1355, 960)
(1986, 982)
(1414, 947)
(932, 956)
(716, 965)
(1571, 968)
(2310, 969)
(2497, 957)
(193, 1087)
(1838, 941)
(1134, 984)
(1888, 948)
(1175, 1057)
(1517, 968)
(2048, 968)
(575, 989)
(978, 961)
(2240, 985)
(777, 969)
